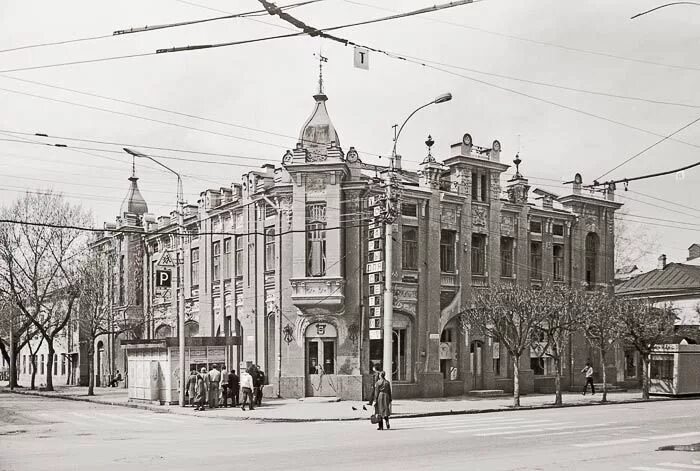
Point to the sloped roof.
(674, 278)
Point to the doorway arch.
(99, 363)
(321, 339)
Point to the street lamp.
(180, 260)
(388, 243)
(664, 6)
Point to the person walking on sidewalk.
(588, 371)
(214, 379)
(224, 388)
(234, 385)
(247, 390)
(382, 401)
(192, 386)
(259, 386)
(201, 389)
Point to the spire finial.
(517, 162)
(321, 60)
(133, 167)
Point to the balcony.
(480, 281)
(326, 292)
(449, 280)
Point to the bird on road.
(364, 408)
(353, 407)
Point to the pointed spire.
(133, 203)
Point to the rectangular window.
(194, 233)
(194, 267)
(239, 256)
(63, 365)
(507, 246)
(329, 357)
(41, 365)
(216, 261)
(478, 254)
(24, 364)
(227, 258)
(55, 364)
(409, 248)
(447, 251)
(270, 249)
(536, 227)
(558, 262)
(662, 367)
(475, 186)
(484, 188)
(558, 229)
(121, 280)
(316, 239)
(536, 260)
(409, 209)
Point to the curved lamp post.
(388, 329)
(664, 6)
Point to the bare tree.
(560, 317)
(39, 254)
(15, 332)
(508, 313)
(633, 242)
(644, 326)
(601, 327)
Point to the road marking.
(580, 430)
(113, 417)
(681, 465)
(648, 468)
(676, 435)
(172, 420)
(610, 442)
(512, 432)
(470, 420)
(496, 425)
(56, 419)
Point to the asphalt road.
(52, 434)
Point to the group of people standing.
(215, 387)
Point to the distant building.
(286, 261)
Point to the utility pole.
(390, 215)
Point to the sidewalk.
(329, 409)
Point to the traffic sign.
(163, 278)
(166, 260)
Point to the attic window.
(536, 227)
(558, 229)
(409, 209)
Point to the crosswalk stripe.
(116, 417)
(582, 429)
(675, 435)
(681, 465)
(649, 468)
(528, 430)
(610, 442)
(172, 419)
(56, 418)
(496, 425)
(457, 420)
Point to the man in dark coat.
(191, 386)
(234, 385)
(259, 387)
(202, 389)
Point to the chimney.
(662, 262)
(693, 252)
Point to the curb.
(408, 415)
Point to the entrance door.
(476, 359)
(320, 363)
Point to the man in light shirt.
(247, 389)
(214, 379)
(588, 371)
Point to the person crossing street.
(588, 371)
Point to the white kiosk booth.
(674, 370)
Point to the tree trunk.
(91, 368)
(49, 363)
(557, 381)
(32, 384)
(516, 381)
(645, 377)
(603, 354)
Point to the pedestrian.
(213, 389)
(382, 401)
(115, 381)
(224, 388)
(247, 390)
(201, 389)
(375, 377)
(192, 386)
(234, 385)
(588, 371)
(259, 388)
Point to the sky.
(570, 86)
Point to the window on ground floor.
(661, 367)
(41, 365)
(542, 366)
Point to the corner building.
(281, 259)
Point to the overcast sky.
(264, 92)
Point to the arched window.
(316, 239)
(191, 328)
(592, 244)
(163, 331)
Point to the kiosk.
(674, 370)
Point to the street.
(43, 433)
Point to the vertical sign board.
(374, 268)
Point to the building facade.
(289, 261)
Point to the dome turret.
(134, 203)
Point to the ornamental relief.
(316, 184)
(495, 186)
(449, 216)
(479, 216)
(591, 224)
(406, 298)
(508, 226)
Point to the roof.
(134, 203)
(318, 131)
(674, 278)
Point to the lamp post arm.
(396, 139)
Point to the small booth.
(674, 370)
(154, 364)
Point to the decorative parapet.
(318, 292)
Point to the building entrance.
(477, 365)
(321, 341)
